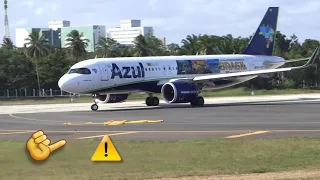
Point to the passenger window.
(146, 69)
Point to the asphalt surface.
(228, 120)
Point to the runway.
(283, 116)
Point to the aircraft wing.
(296, 60)
(258, 72)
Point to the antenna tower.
(6, 21)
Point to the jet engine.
(179, 92)
(111, 98)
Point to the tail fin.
(262, 42)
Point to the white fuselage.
(121, 75)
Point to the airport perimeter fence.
(34, 93)
(58, 93)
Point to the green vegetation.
(38, 65)
(152, 159)
(218, 93)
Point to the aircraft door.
(169, 69)
(103, 71)
(164, 69)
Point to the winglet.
(312, 58)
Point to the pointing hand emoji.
(39, 148)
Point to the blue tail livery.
(262, 42)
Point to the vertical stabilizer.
(262, 42)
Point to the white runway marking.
(246, 134)
(15, 109)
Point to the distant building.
(58, 24)
(57, 31)
(52, 36)
(128, 31)
(92, 33)
(163, 40)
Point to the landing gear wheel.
(155, 101)
(149, 101)
(152, 101)
(193, 103)
(94, 107)
(199, 101)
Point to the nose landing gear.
(94, 107)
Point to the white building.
(58, 24)
(52, 33)
(128, 30)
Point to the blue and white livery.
(179, 79)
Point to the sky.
(172, 19)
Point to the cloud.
(152, 3)
(39, 11)
(54, 6)
(175, 19)
(29, 4)
(21, 22)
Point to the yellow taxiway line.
(115, 134)
(247, 134)
(114, 122)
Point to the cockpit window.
(80, 71)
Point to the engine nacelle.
(179, 92)
(112, 98)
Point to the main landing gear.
(94, 107)
(152, 101)
(199, 101)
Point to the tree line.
(39, 65)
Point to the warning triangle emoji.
(106, 151)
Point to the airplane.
(179, 79)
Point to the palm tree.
(148, 45)
(208, 45)
(36, 48)
(77, 43)
(226, 44)
(156, 45)
(190, 45)
(174, 49)
(7, 43)
(108, 47)
(127, 51)
(142, 47)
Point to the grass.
(154, 159)
(219, 93)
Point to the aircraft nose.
(61, 82)
(64, 84)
